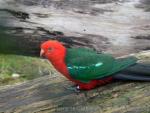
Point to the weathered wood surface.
(49, 95)
(116, 26)
(119, 27)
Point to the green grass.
(27, 67)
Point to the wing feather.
(85, 65)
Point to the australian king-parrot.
(85, 67)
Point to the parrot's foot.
(74, 88)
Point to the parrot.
(86, 68)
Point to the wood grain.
(48, 94)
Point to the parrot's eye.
(50, 49)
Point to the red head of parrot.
(55, 52)
(52, 50)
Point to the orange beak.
(41, 52)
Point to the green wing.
(86, 65)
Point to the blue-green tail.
(123, 63)
(134, 71)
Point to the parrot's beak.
(41, 52)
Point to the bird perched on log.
(87, 68)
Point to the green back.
(85, 64)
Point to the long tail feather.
(137, 72)
(123, 63)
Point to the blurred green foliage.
(27, 67)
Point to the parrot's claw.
(74, 88)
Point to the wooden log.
(103, 27)
(49, 95)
